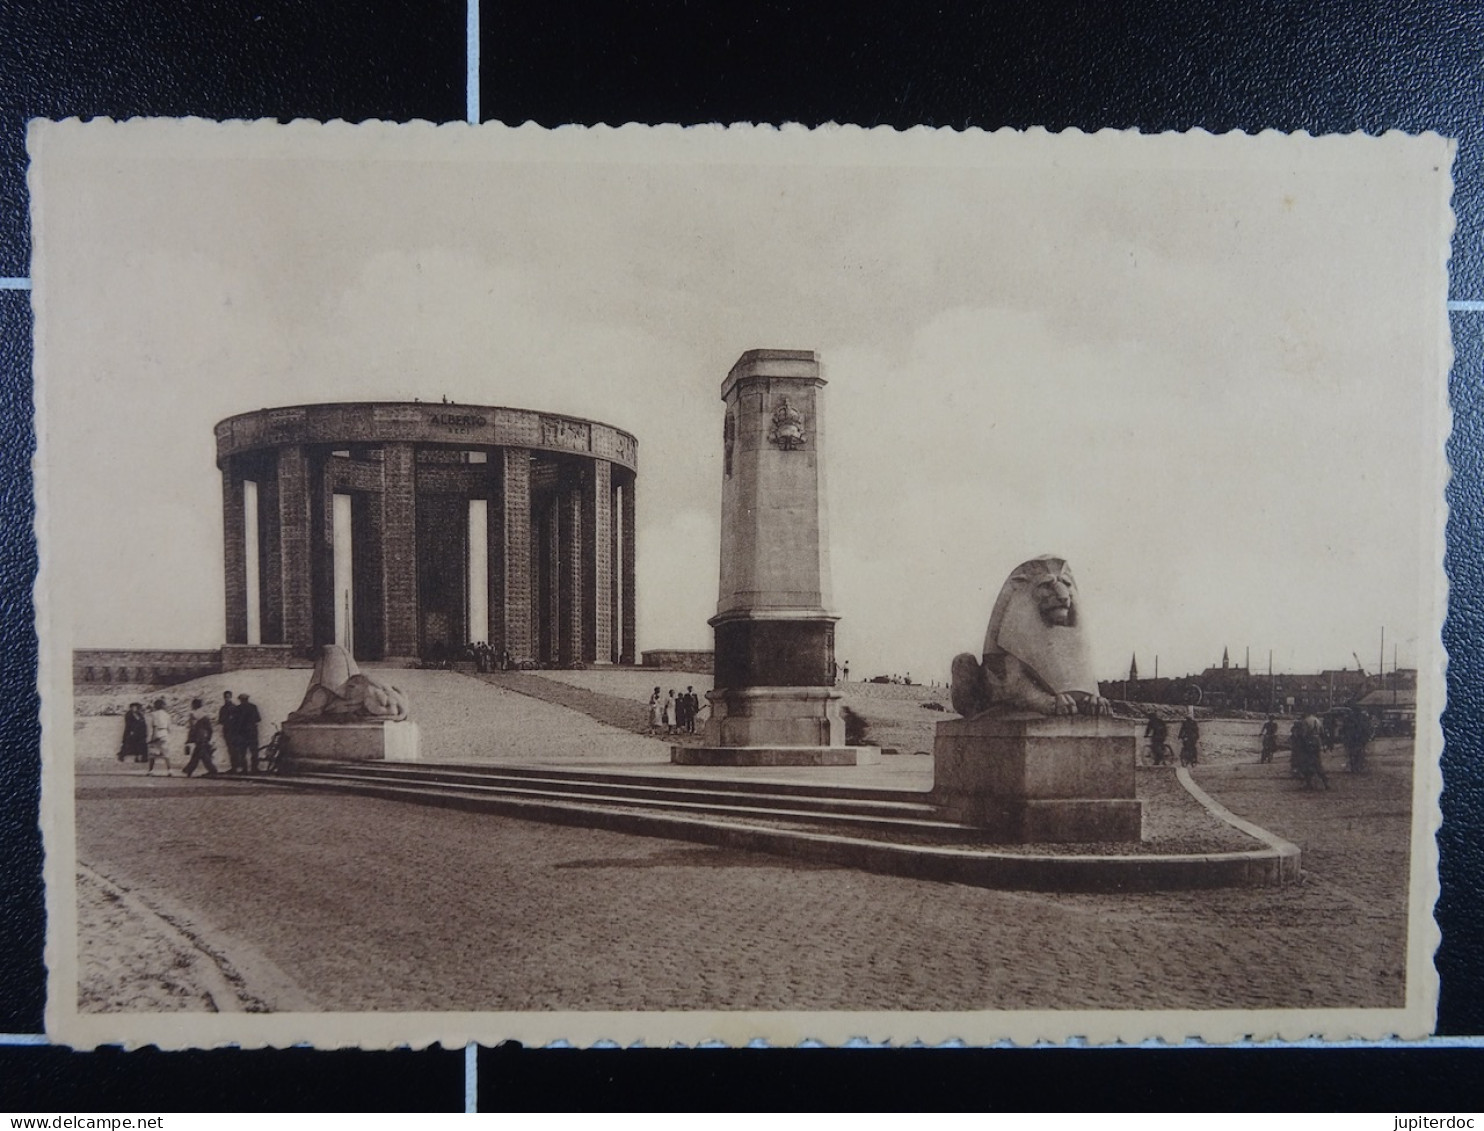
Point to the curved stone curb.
(1273, 864)
(1286, 849)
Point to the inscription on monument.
(459, 423)
(283, 422)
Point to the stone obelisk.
(775, 702)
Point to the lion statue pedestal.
(1036, 759)
(349, 716)
(1039, 779)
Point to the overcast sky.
(1206, 371)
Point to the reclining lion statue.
(339, 692)
(1036, 656)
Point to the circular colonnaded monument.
(406, 531)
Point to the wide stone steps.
(880, 830)
(833, 798)
(872, 812)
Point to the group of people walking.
(1308, 738)
(148, 736)
(674, 714)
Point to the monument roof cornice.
(755, 365)
(352, 423)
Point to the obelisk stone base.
(775, 726)
(775, 755)
(1038, 779)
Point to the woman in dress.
(136, 735)
(159, 737)
(656, 711)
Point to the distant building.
(1235, 688)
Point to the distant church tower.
(1225, 659)
(1133, 668)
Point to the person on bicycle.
(1156, 730)
(1190, 736)
(1269, 739)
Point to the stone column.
(549, 559)
(270, 555)
(399, 555)
(615, 568)
(627, 652)
(511, 568)
(597, 562)
(370, 573)
(321, 551)
(295, 544)
(571, 574)
(234, 537)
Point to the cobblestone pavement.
(371, 904)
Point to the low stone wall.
(158, 666)
(237, 657)
(679, 660)
(916, 692)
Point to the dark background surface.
(1332, 66)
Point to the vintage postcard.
(670, 585)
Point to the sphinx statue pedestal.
(1031, 779)
(350, 716)
(354, 741)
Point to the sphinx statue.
(339, 692)
(1036, 656)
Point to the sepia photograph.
(667, 585)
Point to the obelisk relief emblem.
(787, 431)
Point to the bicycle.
(270, 758)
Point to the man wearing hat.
(245, 719)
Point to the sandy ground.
(120, 941)
(893, 712)
(461, 719)
(633, 683)
(140, 951)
